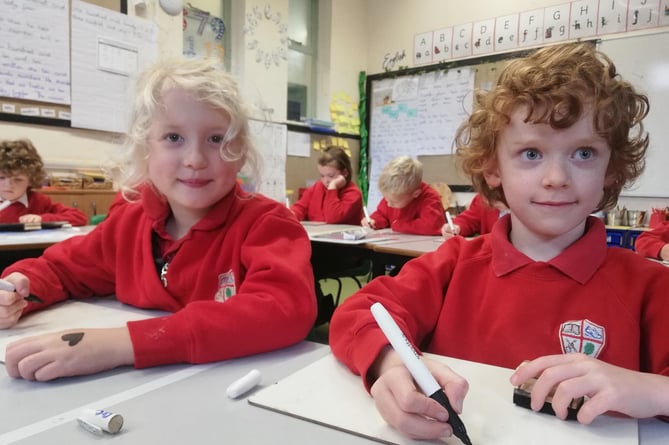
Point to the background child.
(408, 205)
(335, 199)
(21, 170)
(477, 219)
(654, 243)
(232, 267)
(557, 138)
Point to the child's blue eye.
(173, 137)
(531, 154)
(584, 153)
(218, 139)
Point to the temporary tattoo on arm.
(72, 338)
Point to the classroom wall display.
(270, 139)
(202, 34)
(642, 60)
(580, 19)
(110, 49)
(35, 75)
(416, 115)
(34, 52)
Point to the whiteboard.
(644, 61)
(415, 114)
(328, 394)
(109, 50)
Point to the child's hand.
(12, 303)
(606, 387)
(664, 252)
(337, 183)
(68, 353)
(401, 403)
(368, 223)
(30, 218)
(447, 233)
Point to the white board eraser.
(243, 385)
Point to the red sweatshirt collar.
(579, 261)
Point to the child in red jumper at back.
(654, 243)
(231, 267)
(555, 139)
(335, 199)
(409, 205)
(477, 219)
(21, 170)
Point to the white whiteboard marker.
(449, 219)
(426, 381)
(243, 385)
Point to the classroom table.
(39, 239)
(179, 404)
(15, 246)
(391, 248)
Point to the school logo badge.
(582, 336)
(226, 286)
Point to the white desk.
(39, 239)
(180, 404)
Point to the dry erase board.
(643, 60)
(417, 114)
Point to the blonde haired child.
(409, 205)
(231, 267)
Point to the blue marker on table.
(426, 381)
(6, 285)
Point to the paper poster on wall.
(270, 139)
(110, 49)
(35, 50)
(299, 144)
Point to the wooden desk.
(179, 404)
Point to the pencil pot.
(635, 218)
(614, 217)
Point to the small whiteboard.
(643, 60)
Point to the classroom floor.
(319, 334)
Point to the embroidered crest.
(582, 336)
(226, 286)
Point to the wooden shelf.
(90, 201)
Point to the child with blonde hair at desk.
(335, 199)
(654, 243)
(409, 205)
(477, 219)
(232, 267)
(21, 170)
(556, 139)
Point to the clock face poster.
(202, 35)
